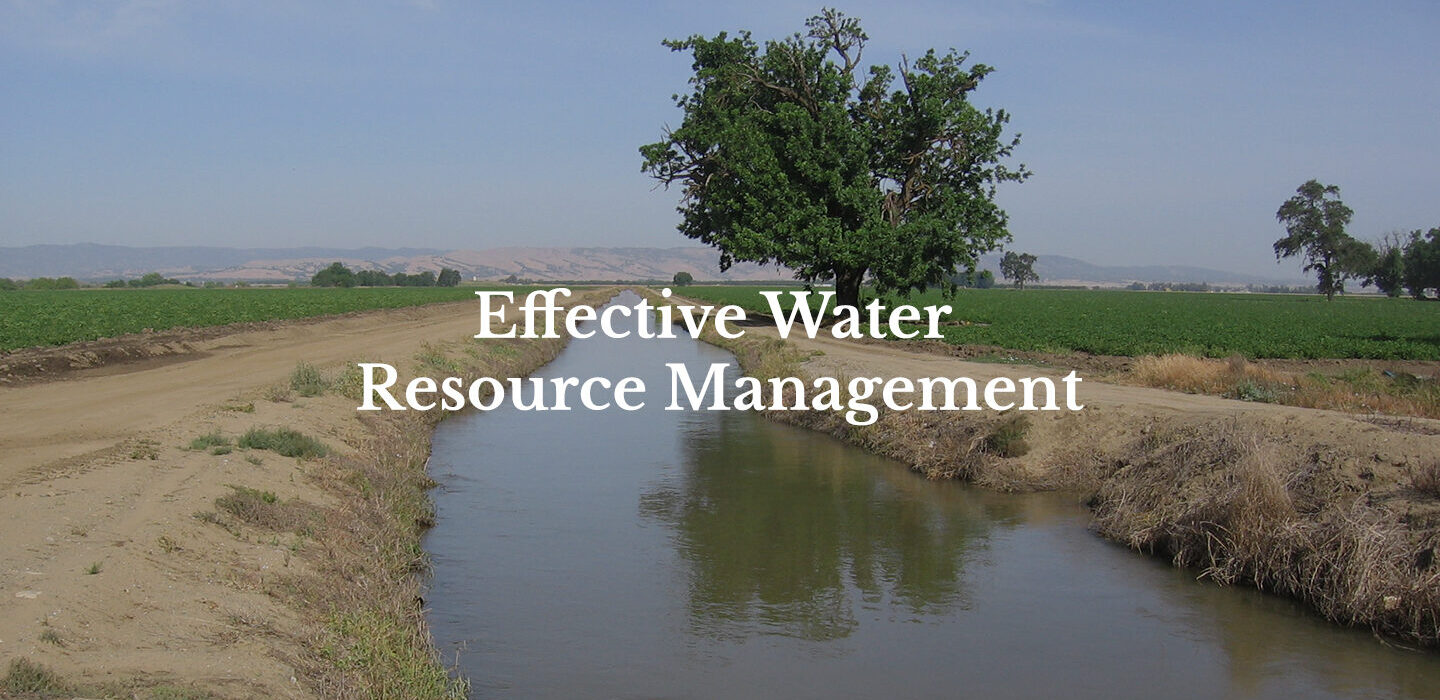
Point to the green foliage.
(8, 285)
(683, 279)
(1019, 268)
(789, 154)
(60, 317)
(49, 283)
(337, 275)
(1315, 221)
(209, 440)
(27, 677)
(307, 380)
(982, 279)
(1421, 262)
(448, 277)
(1210, 325)
(283, 441)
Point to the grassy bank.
(1341, 521)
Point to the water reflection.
(663, 554)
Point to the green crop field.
(1146, 323)
(30, 318)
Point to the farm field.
(38, 318)
(1153, 323)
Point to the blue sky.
(1158, 132)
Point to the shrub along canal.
(716, 554)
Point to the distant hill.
(92, 262)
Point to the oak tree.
(796, 152)
(1018, 268)
(1315, 221)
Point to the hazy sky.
(1158, 132)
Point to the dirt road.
(105, 575)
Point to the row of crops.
(1144, 323)
(31, 318)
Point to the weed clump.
(265, 510)
(209, 440)
(1008, 438)
(283, 441)
(26, 676)
(307, 380)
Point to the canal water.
(661, 554)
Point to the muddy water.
(671, 554)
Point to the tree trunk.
(847, 287)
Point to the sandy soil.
(94, 470)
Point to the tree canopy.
(792, 152)
(1421, 262)
(1019, 268)
(1315, 221)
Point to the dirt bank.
(1338, 509)
(147, 550)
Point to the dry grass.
(1211, 498)
(1358, 390)
(1426, 478)
(265, 510)
(25, 677)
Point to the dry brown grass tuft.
(1426, 478)
(1358, 390)
(1234, 377)
(265, 510)
(1212, 499)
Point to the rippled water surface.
(714, 554)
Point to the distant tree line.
(1170, 286)
(149, 279)
(973, 279)
(338, 275)
(7, 284)
(1315, 221)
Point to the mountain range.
(95, 263)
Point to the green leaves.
(784, 156)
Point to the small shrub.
(26, 676)
(208, 440)
(247, 407)
(306, 380)
(50, 636)
(350, 383)
(94, 568)
(257, 461)
(167, 544)
(1251, 391)
(284, 441)
(220, 450)
(265, 510)
(1008, 438)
